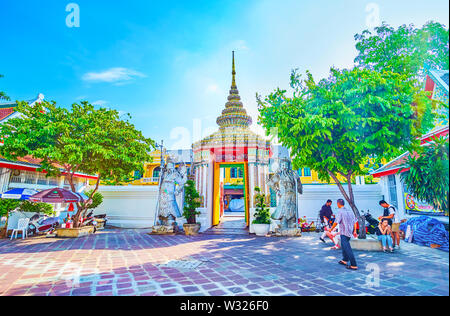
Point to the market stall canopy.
(57, 195)
(18, 194)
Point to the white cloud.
(240, 45)
(212, 88)
(100, 103)
(113, 75)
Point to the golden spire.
(233, 84)
(234, 114)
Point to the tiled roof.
(28, 161)
(31, 162)
(393, 165)
(440, 77)
(5, 112)
(7, 108)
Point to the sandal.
(342, 262)
(352, 268)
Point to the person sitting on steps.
(384, 232)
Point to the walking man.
(346, 220)
(325, 217)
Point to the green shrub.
(42, 208)
(191, 202)
(262, 212)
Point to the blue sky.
(168, 63)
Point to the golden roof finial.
(233, 85)
(234, 114)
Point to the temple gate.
(233, 145)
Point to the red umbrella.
(71, 208)
(57, 195)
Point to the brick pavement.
(130, 262)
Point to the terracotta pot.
(261, 229)
(191, 229)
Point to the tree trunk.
(361, 219)
(351, 201)
(5, 233)
(81, 207)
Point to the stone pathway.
(130, 262)
(229, 225)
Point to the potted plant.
(191, 203)
(261, 224)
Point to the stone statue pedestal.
(288, 232)
(163, 230)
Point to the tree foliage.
(97, 199)
(428, 179)
(80, 139)
(404, 50)
(335, 125)
(191, 202)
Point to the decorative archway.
(216, 212)
(234, 144)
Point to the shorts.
(396, 227)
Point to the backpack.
(387, 213)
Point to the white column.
(400, 196)
(251, 183)
(265, 177)
(205, 184)
(4, 179)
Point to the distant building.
(152, 170)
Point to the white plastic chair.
(22, 226)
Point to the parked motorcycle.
(371, 223)
(40, 224)
(91, 220)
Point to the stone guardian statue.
(286, 183)
(172, 183)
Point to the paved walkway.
(130, 262)
(229, 225)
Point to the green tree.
(334, 126)
(3, 95)
(81, 139)
(97, 199)
(191, 202)
(427, 179)
(7, 206)
(404, 50)
(262, 211)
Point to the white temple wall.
(131, 206)
(367, 197)
(135, 206)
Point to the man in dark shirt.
(326, 211)
(325, 217)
